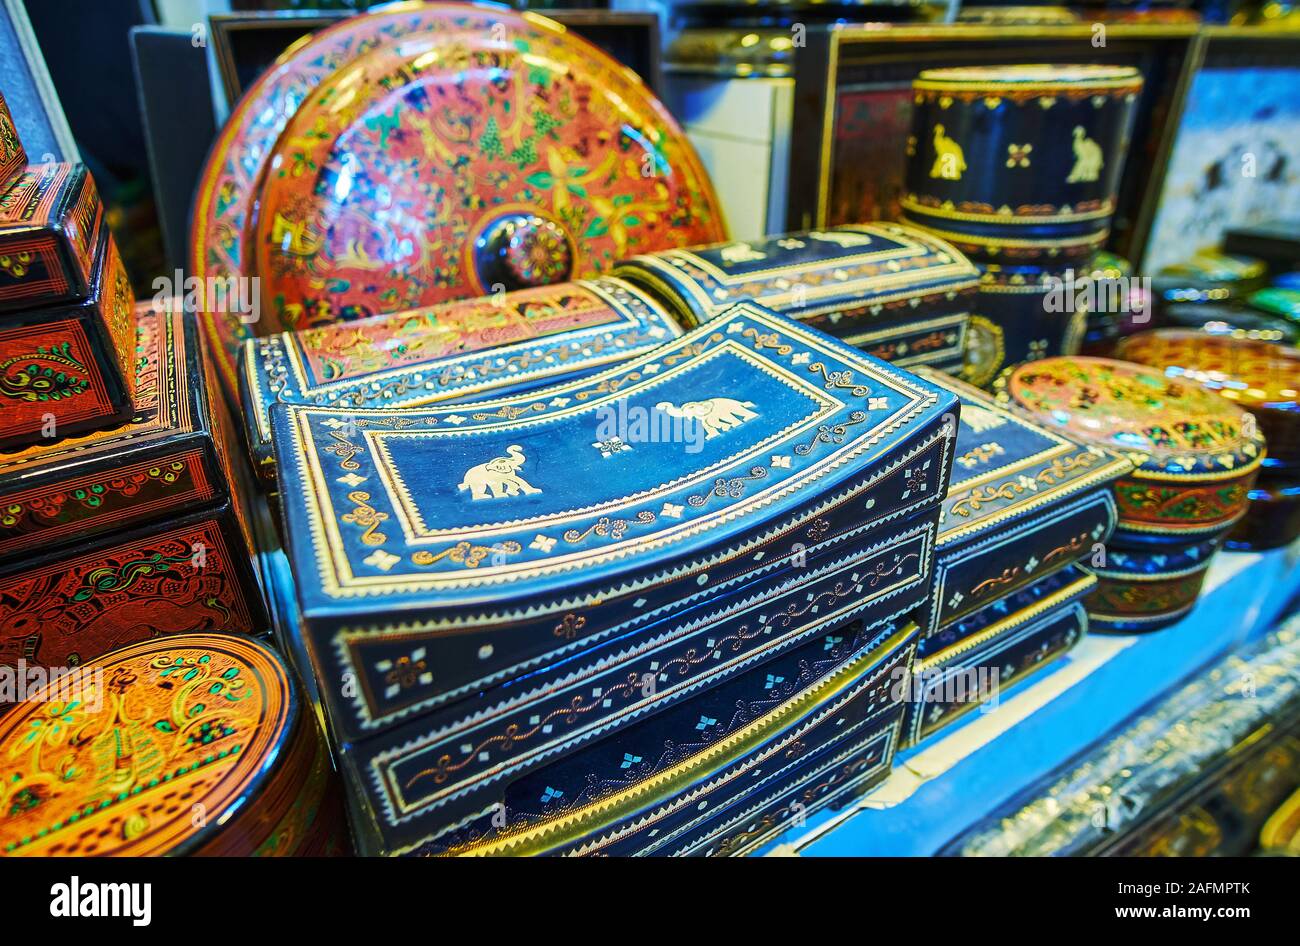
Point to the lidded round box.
(187, 744)
(1195, 457)
(1208, 276)
(1148, 590)
(1019, 162)
(1260, 377)
(1021, 313)
(1231, 321)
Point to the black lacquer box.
(1019, 163)
(974, 660)
(491, 589)
(1023, 503)
(890, 290)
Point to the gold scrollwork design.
(345, 450)
(509, 413)
(794, 611)
(1055, 472)
(1008, 576)
(606, 527)
(981, 454)
(1073, 548)
(827, 433)
(687, 352)
(631, 688)
(841, 380)
(367, 517)
(764, 340)
(466, 553)
(723, 487)
(569, 627)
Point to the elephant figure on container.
(715, 414)
(498, 477)
(1088, 158)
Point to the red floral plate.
(438, 167)
(226, 187)
(225, 192)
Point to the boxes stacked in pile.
(893, 291)
(1019, 167)
(66, 335)
(1257, 376)
(119, 516)
(1195, 457)
(636, 612)
(495, 345)
(1025, 505)
(13, 157)
(124, 533)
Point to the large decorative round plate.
(226, 187)
(152, 749)
(225, 191)
(467, 163)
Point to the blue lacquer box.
(1023, 502)
(643, 788)
(1148, 589)
(490, 589)
(828, 750)
(437, 551)
(893, 291)
(465, 350)
(974, 660)
(1019, 162)
(1021, 313)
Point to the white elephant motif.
(980, 419)
(715, 414)
(845, 239)
(741, 253)
(1088, 158)
(499, 477)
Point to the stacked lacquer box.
(1019, 168)
(1026, 507)
(535, 635)
(118, 521)
(669, 607)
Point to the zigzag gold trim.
(1083, 241)
(910, 203)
